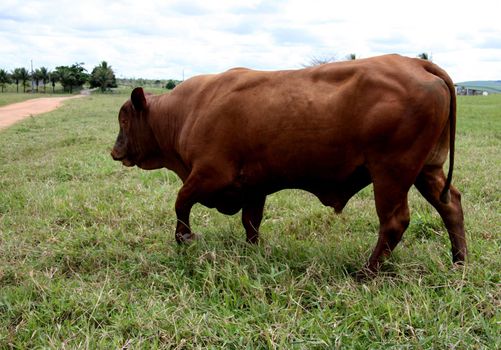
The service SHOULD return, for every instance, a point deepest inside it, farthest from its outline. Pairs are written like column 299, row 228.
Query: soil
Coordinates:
column 15, row 112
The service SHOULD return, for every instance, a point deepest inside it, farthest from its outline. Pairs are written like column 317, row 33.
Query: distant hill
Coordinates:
column 491, row 86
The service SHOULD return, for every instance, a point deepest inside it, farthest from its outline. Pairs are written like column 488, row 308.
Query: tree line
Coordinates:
column 70, row 77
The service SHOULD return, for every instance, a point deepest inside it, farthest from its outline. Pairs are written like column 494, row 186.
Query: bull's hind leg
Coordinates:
column 430, row 183
column 393, row 213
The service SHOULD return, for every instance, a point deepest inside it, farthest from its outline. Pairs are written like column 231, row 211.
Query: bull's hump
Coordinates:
column 237, row 69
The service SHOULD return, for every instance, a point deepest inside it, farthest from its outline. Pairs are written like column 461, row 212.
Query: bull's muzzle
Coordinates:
column 121, row 157
column 117, row 155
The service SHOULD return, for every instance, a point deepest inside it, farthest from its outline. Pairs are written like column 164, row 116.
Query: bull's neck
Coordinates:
column 166, row 126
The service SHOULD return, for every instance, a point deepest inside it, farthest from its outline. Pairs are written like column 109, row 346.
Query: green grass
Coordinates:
column 88, row 257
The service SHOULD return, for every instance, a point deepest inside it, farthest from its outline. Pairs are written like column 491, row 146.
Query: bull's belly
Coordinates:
column 336, row 193
column 228, row 201
column 333, row 193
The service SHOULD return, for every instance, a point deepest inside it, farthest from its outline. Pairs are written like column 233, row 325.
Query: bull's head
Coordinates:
column 136, row 143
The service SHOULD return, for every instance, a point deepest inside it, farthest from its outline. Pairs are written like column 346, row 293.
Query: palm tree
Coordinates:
column 102, row 76
column 65, row 77
column 53, row 78
column 36, row 76
column 16, row 76
column 44, row 76
column 4, row 78
column 24, row 76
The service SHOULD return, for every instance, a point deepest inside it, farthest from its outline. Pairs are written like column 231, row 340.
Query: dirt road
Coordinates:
column 14, row 112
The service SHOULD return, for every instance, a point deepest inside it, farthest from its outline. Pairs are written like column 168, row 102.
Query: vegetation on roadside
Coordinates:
column 5, row 78
column 103, row 77
column 68, row 77
column 73, row 78
column 88, row 257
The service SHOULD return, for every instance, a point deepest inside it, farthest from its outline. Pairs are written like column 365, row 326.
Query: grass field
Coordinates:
column 88, row 257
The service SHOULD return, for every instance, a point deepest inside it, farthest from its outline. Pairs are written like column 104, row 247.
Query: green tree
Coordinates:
column 171, row 84
column 72, row 77
column 103, row 77
column 351, row 57
column 16, row 74
column 4, row 78
column 44, row 77
column 66, row 78
column 424, row 56
column 23, row 77
column 37, row 77
column 53, row 78
column 80, row 74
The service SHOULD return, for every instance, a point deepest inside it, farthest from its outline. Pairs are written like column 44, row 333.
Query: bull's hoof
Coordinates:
column 365, row 274
column 254, row 240
column 187, row 238
column 459, row 264
column 459, row 257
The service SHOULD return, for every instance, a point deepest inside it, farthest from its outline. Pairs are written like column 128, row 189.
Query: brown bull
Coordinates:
column 235, row 137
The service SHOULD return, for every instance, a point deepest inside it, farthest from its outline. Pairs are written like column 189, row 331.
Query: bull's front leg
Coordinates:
column 252, row 214
column 201, row 184
column 183, row 230
column 186, row 198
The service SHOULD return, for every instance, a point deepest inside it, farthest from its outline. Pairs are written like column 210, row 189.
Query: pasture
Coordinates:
column 88, row 257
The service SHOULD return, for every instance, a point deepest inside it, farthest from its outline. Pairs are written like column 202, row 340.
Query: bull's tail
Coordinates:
column 445, row 195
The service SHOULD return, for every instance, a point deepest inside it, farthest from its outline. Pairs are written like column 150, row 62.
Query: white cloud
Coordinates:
column 160, row 39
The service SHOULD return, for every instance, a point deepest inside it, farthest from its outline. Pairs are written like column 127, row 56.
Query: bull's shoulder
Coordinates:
column 212, row 82
column 223, row 85
column 196, row 81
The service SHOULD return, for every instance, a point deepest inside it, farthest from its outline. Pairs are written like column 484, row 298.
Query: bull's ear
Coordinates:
column 138, row 99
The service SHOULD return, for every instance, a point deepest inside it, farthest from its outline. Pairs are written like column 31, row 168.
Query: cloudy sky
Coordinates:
column 163, row 39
